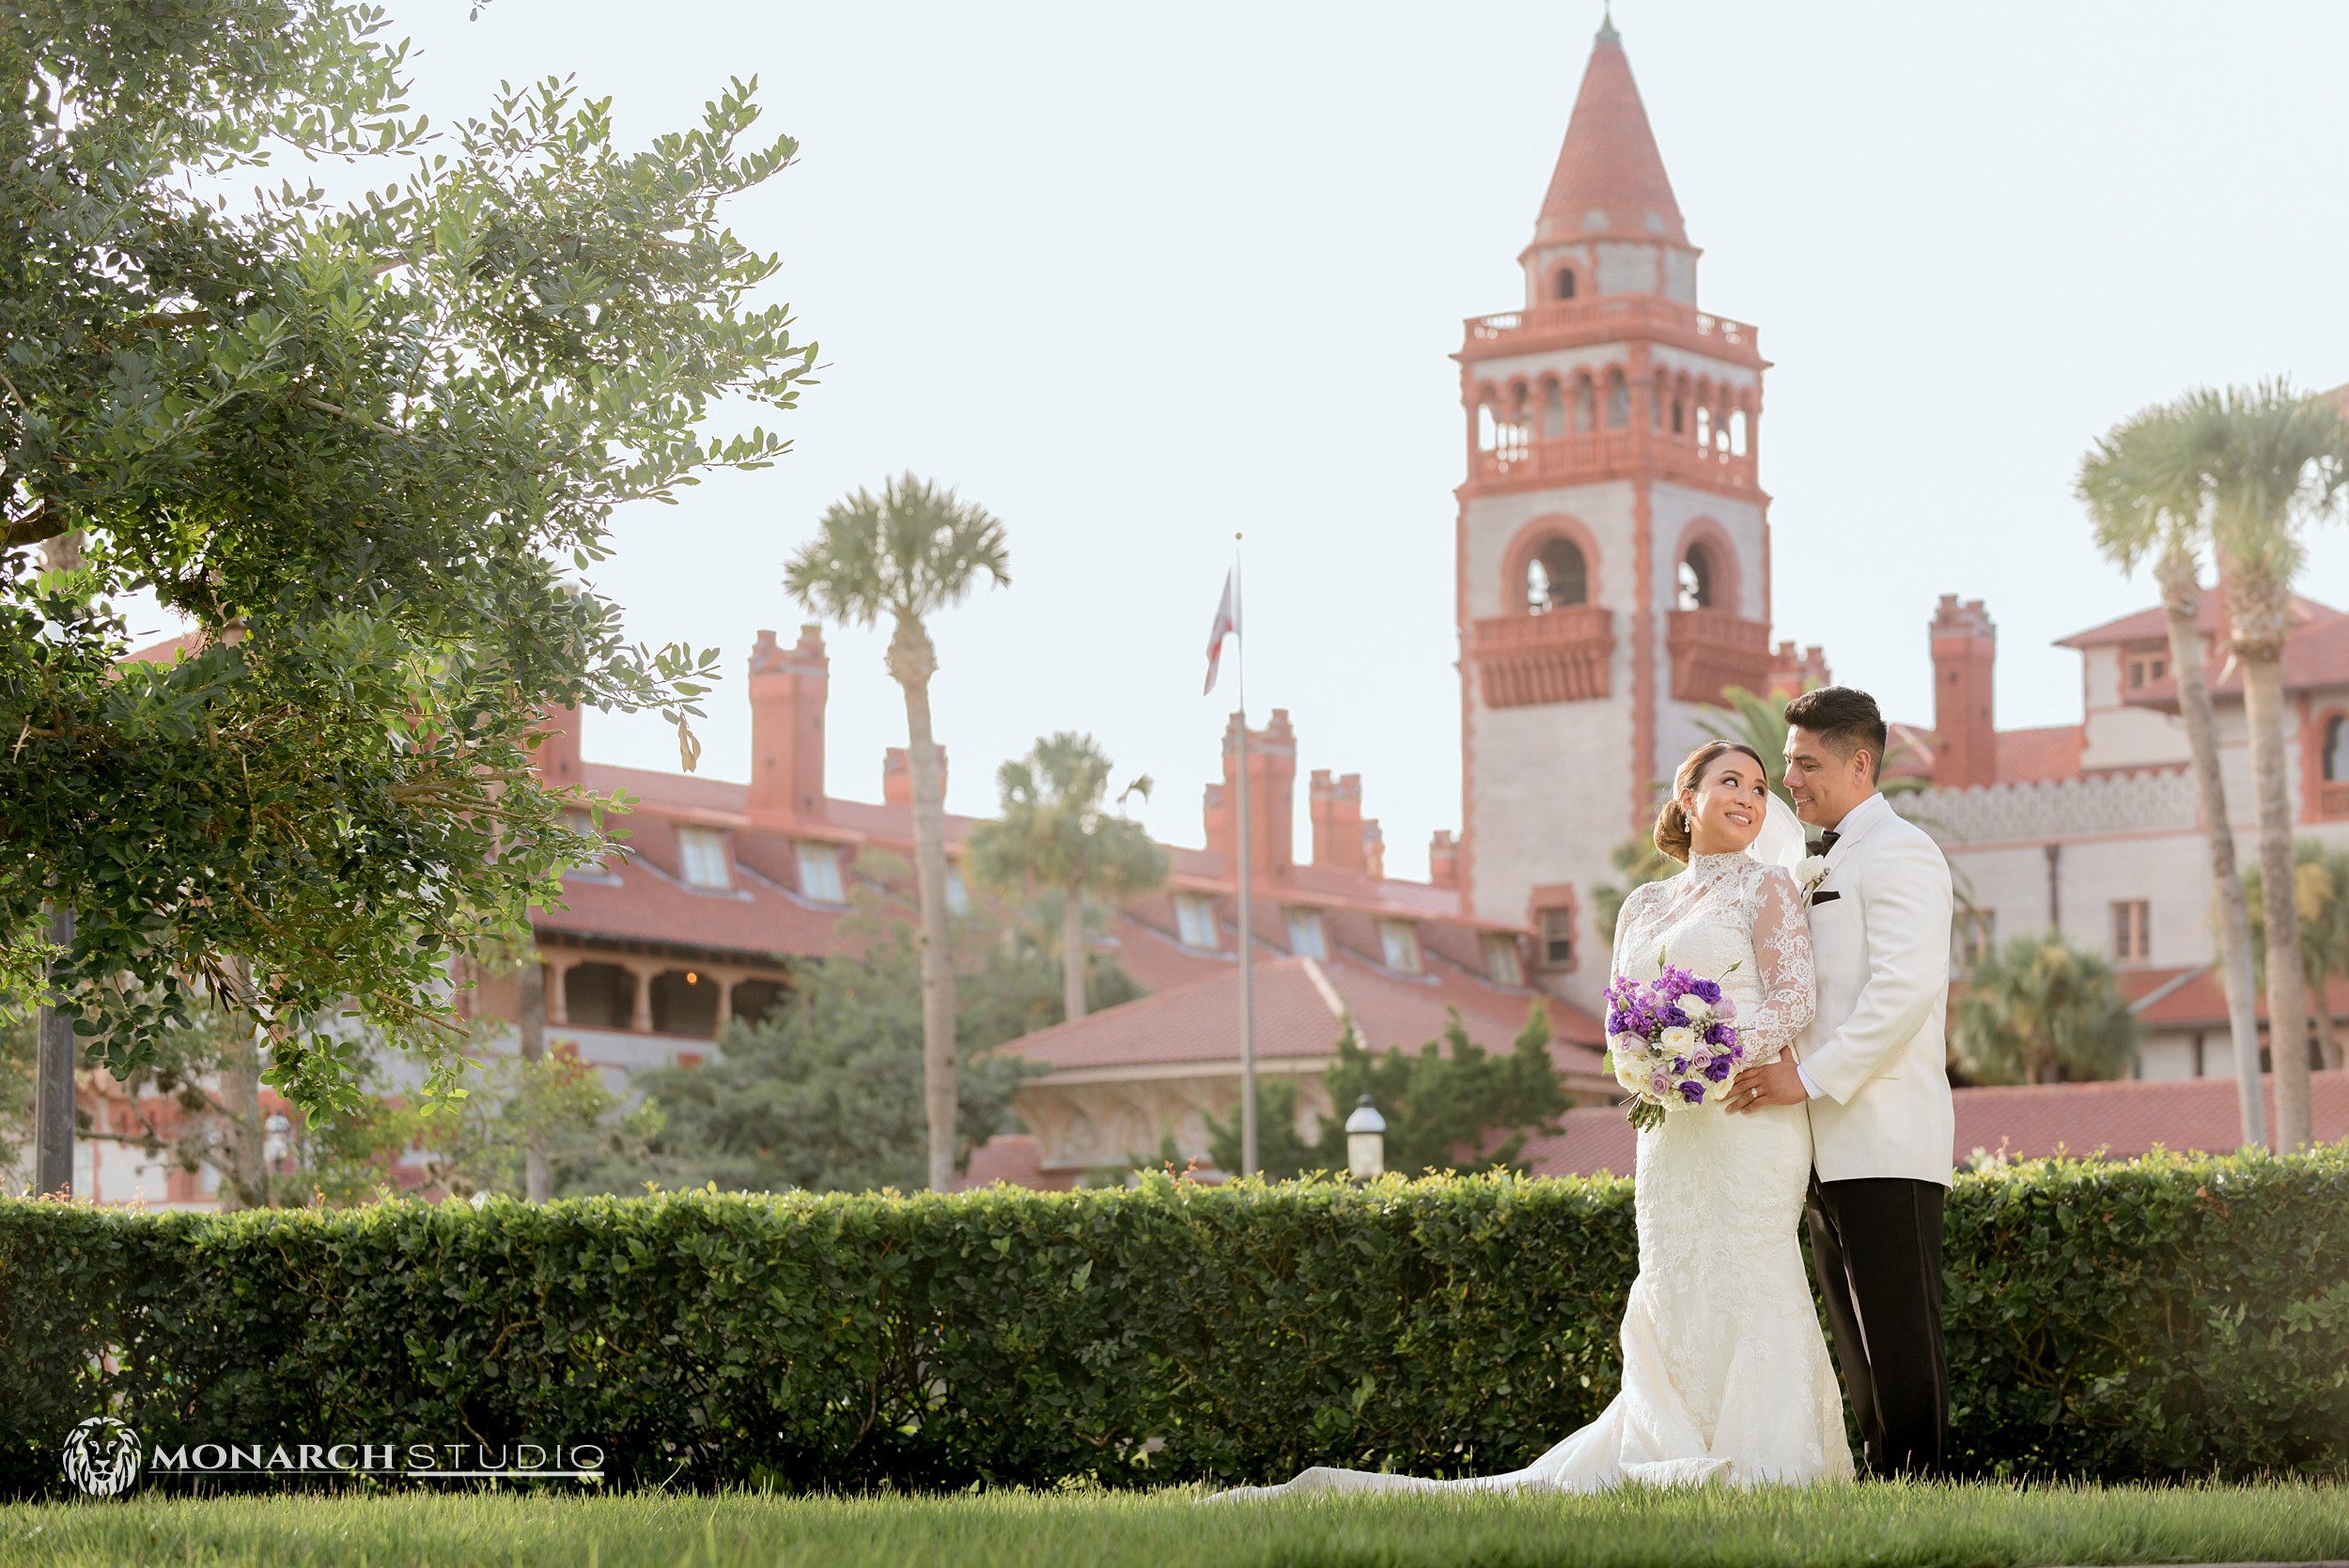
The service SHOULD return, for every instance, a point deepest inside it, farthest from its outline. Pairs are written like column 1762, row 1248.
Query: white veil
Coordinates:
column 1781, row 839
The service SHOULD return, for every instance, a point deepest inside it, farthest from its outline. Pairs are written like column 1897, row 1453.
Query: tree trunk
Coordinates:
column 2321, row 1009
column 245, row 1180
column 1072, row 952
column 912, row 660
column 530, row 997
column 2180, row 600
column 53, row 1053
column 2287, row 986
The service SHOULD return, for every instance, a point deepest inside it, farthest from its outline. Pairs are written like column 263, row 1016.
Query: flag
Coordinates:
column 1226, row 622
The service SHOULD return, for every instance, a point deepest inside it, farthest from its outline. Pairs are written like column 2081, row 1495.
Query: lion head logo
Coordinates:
column 101, row 1456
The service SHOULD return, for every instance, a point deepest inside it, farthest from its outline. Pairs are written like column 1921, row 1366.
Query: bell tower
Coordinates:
column 1613, row 551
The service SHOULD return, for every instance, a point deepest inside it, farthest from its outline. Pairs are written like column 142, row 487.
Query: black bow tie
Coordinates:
column 1824, row 842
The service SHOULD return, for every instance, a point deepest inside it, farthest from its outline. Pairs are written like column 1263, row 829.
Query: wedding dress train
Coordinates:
column 1725, row 1373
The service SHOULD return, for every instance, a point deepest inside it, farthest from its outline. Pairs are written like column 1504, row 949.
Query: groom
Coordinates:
column 1870, row 1069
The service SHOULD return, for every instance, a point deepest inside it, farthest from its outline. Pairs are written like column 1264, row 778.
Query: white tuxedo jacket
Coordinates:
column 1876, row 1051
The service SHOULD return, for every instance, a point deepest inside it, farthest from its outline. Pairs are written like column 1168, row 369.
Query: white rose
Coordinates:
column 1698, row 1010
column 1676, row 1041
column 1812, row 872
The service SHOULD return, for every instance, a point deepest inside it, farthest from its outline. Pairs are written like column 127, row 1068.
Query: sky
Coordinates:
column 1138, row 279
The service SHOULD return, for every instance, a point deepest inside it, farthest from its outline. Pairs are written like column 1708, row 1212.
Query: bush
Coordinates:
column 2167, row 1316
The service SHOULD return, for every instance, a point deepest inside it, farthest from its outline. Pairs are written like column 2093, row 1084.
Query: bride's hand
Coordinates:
column 1774, row 1083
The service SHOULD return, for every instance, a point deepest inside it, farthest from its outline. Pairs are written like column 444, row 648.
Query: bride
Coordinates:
column 1725, row 1375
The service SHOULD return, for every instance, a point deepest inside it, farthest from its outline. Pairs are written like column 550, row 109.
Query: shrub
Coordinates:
column 2165, row 1317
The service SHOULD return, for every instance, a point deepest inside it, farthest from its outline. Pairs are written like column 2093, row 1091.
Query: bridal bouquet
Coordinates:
column 1671, row 1042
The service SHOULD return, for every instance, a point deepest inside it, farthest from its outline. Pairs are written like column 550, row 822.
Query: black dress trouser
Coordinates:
column 1876, row 1242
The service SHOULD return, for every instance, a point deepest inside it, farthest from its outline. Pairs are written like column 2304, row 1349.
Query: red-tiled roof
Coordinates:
column 2034, row 756
column 2195, row 996
column 168, row 651
column 1298, row 1006
column 1016, row 1158
column 2120, row 1120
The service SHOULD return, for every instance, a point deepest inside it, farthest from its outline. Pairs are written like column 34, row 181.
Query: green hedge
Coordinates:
column 2161, row 1317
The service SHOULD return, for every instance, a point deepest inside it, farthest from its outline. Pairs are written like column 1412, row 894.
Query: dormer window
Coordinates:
column 702, row 857
column 1566, row 284
column 819, row 872
column 1194, row 921
column 1307, row 939
column 1398, row 942
column 1503, row 962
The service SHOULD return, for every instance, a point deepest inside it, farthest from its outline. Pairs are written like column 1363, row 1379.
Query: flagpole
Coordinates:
column 1248, row 1165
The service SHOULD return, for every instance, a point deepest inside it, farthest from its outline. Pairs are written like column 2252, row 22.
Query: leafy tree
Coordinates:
column 1441, row 1105
column 818, row 1094
column 2143, row 485
column 350, row 444
column 2039, row 1010
column 1057, row 832
column 2320, row 895
column 908, row 553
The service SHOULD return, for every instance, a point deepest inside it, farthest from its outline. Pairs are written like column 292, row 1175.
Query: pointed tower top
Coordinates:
column 1609, row 181
column 1607, row 33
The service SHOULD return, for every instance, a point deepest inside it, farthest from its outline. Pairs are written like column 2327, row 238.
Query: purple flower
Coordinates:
column 1693, row 1093
column 1725, row 1008
column 1680, row 1064
column 1719, row 1034
column 1719, row 1069
column 1676, row 1019
column 1710, row 990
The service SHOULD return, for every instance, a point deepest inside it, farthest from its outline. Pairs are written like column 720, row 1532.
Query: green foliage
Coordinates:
column 2171, row 1317
column 825, row 1092
column 2320, row 895
column 907, row 553
column 359, row 446
column 2042, row 1010
column 1441, row 1104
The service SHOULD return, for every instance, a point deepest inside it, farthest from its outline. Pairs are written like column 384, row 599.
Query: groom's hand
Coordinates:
column 1772, row 1083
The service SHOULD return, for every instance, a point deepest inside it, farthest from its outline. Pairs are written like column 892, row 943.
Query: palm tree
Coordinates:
column 2143, row 486
column 2276, row 462
column 908, row 553
column 2041, row 1011
column 2320, row 895
column 1057, row 832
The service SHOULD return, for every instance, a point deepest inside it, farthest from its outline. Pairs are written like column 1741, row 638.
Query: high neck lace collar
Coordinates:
column 1712, row 868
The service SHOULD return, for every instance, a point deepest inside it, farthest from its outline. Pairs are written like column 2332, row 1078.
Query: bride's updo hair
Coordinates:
column 1671, row 823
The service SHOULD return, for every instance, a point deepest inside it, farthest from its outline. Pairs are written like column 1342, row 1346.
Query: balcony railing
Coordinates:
column 1602, row 453
column 1713, row 650
column 1560, row 656
column 1610, row 316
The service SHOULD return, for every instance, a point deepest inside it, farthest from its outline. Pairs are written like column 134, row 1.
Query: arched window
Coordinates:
column 1557, row 577
column 1737, row 433
column 1553, row 411
column 1618, row 401
column 1697, row 579
column 1488, row 432
column 1705, row 427
column 1585, row 406
column 2337, row 749
column 1680, row 427
column 1566, row 284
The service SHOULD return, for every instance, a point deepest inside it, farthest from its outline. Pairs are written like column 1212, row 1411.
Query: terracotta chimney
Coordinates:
column 1336, row 808
column 1792, row 673
column 556, row 760
column 1443, row 859
column 897, row 775
column 788, row 688
column 1965, row 654
column 1272, row 800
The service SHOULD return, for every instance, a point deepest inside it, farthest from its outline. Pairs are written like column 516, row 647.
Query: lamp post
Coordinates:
column 1366, row 1141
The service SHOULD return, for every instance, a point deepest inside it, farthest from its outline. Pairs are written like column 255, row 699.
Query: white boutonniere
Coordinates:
column 1809, row 875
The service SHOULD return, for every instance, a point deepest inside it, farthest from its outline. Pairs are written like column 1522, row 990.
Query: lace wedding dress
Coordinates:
column 1725, row 1374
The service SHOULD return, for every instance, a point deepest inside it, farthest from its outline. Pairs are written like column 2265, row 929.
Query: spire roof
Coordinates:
column 1610, row 177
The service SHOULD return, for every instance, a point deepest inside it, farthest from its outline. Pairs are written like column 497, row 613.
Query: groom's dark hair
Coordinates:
column 1844, row 719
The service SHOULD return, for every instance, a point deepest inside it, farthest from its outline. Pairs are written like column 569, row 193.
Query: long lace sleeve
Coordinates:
column 1782, row 953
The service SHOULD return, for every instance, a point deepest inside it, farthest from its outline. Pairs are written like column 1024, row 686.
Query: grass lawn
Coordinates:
column 1888, row 1524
